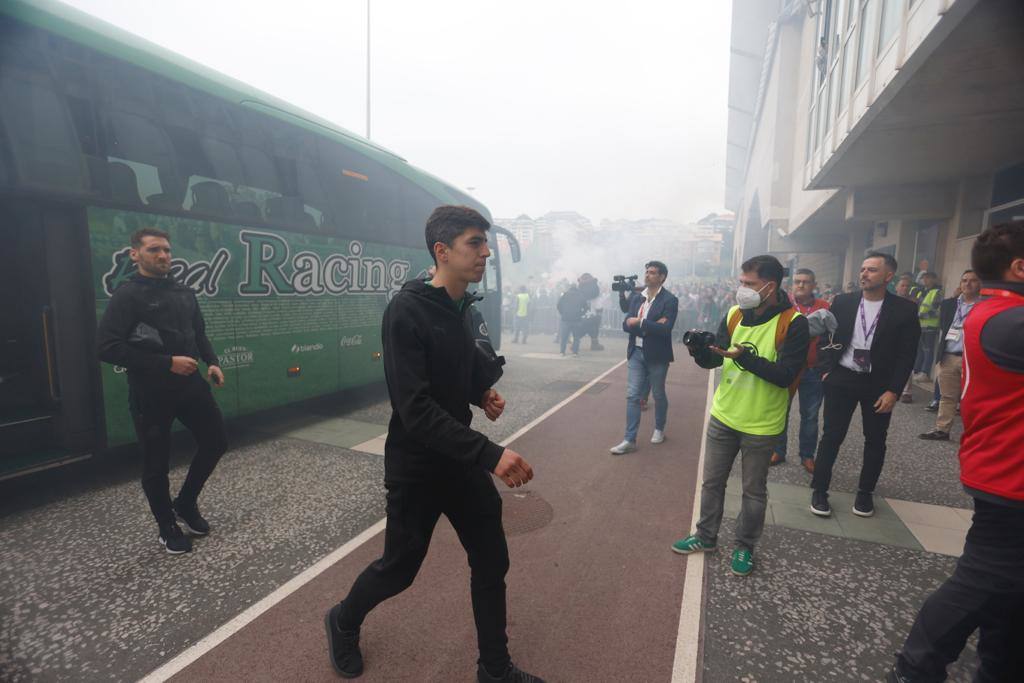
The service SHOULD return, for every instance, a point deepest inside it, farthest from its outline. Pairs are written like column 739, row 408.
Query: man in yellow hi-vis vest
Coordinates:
column 761, row 346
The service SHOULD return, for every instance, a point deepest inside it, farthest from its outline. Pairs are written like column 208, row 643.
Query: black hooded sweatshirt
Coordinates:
column 433, row 372
column 165, row 305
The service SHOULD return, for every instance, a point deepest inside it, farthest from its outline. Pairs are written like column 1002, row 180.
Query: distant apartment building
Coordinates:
column 887, row 125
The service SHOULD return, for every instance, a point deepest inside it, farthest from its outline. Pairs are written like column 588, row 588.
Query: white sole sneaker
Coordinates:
column 658, row 437
column 189, row 529
column 172, row 552
column 861, row 513
column 622, row 448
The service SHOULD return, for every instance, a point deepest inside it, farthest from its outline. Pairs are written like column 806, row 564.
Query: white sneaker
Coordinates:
column 658, row 436
column 624, row 447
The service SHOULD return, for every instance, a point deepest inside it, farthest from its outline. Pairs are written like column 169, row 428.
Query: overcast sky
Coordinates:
column 612, row 109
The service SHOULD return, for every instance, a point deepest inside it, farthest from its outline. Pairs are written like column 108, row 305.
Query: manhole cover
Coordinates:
column 524, row 511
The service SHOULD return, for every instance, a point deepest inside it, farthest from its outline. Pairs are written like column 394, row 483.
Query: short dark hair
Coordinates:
column 147, row 232
column 767, row 268
column 931, row 273
column 662, row 268
column 448, row 222
column 806, row 271
column 996, row 248
column 969, row 270
column 890, row 260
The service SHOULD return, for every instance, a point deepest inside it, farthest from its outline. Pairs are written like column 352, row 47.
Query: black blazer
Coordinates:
column 657, row 336
column 893, row 348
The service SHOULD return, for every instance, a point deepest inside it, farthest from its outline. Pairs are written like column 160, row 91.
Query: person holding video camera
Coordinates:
column 761, row 346
column 652, row 315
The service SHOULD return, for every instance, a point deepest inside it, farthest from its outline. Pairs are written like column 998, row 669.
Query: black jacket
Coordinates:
column 947, row 312
column 168, row 307
column 434, row 372
column 657, row 337
column 791, row 357
column 893, row 347
column 572, row 305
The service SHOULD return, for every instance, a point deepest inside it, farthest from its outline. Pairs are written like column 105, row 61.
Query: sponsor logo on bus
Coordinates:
column 304, row 348
column 354, row 340
column 203, row 277
column 271, row 268
column 235, row 357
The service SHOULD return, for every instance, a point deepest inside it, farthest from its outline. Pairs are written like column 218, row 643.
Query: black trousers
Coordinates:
column 154, row 409
column 985, row 593
column 473, row 506
column 841, row 400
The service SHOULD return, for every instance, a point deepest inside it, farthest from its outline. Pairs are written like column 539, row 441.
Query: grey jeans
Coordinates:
column 723, row 443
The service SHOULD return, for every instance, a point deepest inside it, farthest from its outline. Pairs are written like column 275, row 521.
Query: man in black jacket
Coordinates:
column 571, row 307
column 153, row 327
column 434, row 463
column 867, row 363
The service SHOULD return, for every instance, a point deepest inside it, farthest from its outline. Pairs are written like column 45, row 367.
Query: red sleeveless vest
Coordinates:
column 992, row 407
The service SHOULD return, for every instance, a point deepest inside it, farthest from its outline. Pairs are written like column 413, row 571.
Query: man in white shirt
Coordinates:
column 649, row 322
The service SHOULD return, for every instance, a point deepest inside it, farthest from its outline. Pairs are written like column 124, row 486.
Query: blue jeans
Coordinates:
column 926, row 350
column 644, row 377
column 810, row 392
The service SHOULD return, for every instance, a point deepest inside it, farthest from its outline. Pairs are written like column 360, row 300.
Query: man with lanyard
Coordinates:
column 809, row 389
column 652, row 315
column 952, row 313
column 867, row 364
column 986, row 590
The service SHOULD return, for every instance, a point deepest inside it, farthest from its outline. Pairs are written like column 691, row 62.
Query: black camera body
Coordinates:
column 624, row 283
column 699, row 339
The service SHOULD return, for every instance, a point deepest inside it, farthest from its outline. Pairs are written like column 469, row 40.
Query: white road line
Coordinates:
column 684, row 667
column 252, row 612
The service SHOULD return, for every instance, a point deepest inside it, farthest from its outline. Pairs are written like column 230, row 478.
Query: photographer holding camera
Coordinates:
column 762, row 347
column 652, row 314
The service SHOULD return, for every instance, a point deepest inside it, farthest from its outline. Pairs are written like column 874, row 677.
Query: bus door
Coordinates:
column 44, row 325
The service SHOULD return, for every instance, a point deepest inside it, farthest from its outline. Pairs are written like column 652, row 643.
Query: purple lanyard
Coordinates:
column 868, row 333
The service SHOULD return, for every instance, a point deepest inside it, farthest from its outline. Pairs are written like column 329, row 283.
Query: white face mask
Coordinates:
column 747, row 298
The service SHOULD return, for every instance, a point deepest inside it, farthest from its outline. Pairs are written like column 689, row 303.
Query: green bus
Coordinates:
column 293, row 233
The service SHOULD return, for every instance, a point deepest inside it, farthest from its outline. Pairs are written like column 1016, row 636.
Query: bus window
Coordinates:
column 147, row 180
column 38, row 131
column 139, row 140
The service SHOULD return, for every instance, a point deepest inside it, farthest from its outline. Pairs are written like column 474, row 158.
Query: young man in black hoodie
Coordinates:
column 434, row 463
column 153, row 327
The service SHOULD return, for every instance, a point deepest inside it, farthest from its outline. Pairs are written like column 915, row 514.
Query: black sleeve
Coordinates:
column 206, row 351
column 707, row 359
column 405, row 369
column 906, row 352
column 791, row 359
column 623, row 302
column 1001, row 339
column 112, row 338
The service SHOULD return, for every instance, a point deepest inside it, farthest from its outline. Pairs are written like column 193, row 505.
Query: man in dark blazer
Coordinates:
column 866, row 363
column 651, row 317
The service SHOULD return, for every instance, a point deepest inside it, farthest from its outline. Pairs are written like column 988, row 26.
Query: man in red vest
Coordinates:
column 986, row 591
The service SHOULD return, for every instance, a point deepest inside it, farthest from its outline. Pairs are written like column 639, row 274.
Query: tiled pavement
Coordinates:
column 832, row 599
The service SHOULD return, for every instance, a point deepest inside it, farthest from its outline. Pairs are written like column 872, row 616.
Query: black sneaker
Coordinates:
column 173, row 540
column 934, row 435
column 863, row 504
column 819, row 504
column 933, row 407
column 513, row 674
column 343, row 646
column 190, row 517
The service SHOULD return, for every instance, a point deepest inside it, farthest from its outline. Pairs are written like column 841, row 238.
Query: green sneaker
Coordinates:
column 742, row 562
column 691, row 544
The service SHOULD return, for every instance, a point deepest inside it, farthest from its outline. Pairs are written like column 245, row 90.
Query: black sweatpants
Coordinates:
column 985, row 592
column 473, row 506
column 154, row 409
column 841, row 400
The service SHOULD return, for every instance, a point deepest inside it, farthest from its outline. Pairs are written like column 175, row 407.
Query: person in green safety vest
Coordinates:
column 928, row 315
column 521, row 322
column 761, row 346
